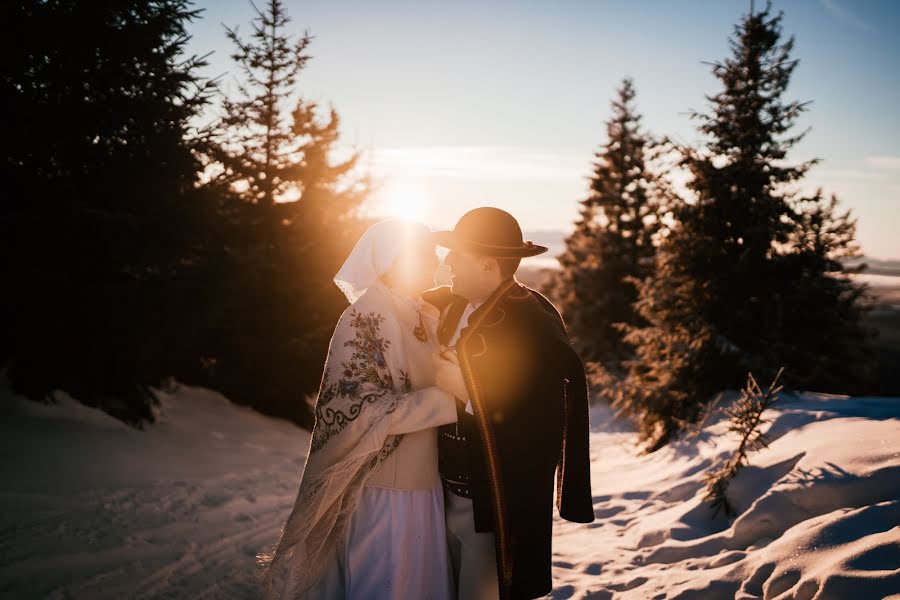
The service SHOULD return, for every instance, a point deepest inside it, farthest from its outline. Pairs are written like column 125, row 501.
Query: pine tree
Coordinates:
column 291, row 213
column 613, row 237
column 820, row 314
column 257, row 149
column 100, row 214
column 739, row 267
column 266, row 152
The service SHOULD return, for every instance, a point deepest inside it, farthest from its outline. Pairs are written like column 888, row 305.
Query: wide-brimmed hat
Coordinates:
column 488, row 231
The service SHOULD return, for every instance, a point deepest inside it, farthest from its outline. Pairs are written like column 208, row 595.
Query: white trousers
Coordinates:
column 471, row 553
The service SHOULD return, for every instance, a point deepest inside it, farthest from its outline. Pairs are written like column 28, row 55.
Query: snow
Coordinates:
column 94, row 509
column 91, row 508
column 818, row 511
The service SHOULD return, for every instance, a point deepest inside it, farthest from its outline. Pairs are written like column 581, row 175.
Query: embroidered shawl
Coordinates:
column 365, row 381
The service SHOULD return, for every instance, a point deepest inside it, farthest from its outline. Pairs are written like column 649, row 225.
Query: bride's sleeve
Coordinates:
column 422, row 409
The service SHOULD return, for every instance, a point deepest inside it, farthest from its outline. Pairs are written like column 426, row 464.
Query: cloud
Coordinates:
column 845, row 16
column 482, row 163
column 887, row 163
column 879, row 174
column 855, row 175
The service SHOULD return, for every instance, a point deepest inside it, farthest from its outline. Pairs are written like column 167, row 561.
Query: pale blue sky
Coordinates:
column 460, row 104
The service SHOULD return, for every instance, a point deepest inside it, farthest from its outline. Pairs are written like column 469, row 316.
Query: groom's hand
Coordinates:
column 447, row 375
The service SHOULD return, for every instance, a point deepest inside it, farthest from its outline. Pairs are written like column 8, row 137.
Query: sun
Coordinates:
column 406, row 199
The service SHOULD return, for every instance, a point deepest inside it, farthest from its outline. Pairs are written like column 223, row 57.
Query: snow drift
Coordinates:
column 818, row 511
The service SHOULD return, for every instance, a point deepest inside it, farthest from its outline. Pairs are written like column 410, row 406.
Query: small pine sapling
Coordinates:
column 746, row 421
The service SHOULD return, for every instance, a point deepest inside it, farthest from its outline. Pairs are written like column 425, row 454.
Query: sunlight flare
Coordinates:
column 405, row 199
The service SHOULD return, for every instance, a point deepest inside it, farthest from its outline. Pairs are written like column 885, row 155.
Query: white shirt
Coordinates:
column 463, row 321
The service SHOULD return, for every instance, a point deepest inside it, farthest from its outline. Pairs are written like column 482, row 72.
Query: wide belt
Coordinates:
column 453, row 455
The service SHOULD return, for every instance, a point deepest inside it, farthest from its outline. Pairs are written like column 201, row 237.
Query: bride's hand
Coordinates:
column 448, row 376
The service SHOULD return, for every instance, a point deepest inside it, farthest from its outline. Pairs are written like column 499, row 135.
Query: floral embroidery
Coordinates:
column 393, row 441
column 390, row 444
column 364, row 379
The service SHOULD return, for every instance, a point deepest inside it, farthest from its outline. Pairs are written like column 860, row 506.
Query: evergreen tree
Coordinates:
column 257, row 148
column 100, row 214
column 613, row 237
column 291, row 215
column 736, row 276
column 820, row 312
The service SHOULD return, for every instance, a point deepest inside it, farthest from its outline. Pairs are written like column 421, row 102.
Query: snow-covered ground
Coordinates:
column 819, row 511
column 92, row 509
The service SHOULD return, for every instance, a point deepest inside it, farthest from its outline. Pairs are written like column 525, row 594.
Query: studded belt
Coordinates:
column 453, row 459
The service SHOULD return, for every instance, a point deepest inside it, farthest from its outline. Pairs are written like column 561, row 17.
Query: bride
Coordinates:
column 368, row 520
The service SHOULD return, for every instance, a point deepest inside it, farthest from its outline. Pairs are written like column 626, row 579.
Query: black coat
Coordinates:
column 529, row 395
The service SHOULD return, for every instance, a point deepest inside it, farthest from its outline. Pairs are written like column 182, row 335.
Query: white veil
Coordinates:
column 375, row 254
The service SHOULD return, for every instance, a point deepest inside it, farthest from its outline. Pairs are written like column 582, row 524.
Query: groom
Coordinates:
column 522, row 413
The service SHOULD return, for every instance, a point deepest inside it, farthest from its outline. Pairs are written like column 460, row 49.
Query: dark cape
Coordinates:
column 530, row 398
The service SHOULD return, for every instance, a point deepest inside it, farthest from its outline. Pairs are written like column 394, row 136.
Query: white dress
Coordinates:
column 396, row 545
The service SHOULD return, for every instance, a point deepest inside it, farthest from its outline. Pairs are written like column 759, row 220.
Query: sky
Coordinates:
column 461, row 104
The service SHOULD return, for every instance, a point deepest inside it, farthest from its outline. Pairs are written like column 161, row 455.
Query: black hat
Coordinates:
column 488, row 231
